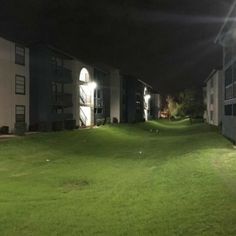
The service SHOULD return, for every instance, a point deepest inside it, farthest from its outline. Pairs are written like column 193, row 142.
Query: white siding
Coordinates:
column 8, row 71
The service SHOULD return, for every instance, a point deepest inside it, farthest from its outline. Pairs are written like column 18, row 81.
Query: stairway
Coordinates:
column 83, row 118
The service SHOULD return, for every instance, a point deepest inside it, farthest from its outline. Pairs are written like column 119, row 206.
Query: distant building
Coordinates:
column 213, row 97
column 61, row 90
column 14, row 84
column 46, row 89
column 155, row 105
column 227, row 39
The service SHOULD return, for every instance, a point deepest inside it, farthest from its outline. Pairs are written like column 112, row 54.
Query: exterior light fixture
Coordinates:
column 147, row 97
column 92, row 85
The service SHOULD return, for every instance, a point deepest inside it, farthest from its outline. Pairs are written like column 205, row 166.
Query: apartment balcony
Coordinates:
column 62, row 75
column 62, row 100
column 98, row 102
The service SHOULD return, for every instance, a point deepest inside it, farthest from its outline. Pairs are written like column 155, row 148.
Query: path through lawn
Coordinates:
column 121, row 180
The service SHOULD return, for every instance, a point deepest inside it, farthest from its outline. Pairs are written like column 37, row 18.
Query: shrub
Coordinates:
column 4, row 130
column 44, row 126
column 70, row 124
column 57, row 125
column 20, row 128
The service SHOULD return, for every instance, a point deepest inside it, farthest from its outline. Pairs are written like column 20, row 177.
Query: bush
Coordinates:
column 115, row 120
column 44, row 126
column 20, row 128
column 34, row 127
column 100, row 121
column 70, row 124
column 4, row 130
column 57, row 125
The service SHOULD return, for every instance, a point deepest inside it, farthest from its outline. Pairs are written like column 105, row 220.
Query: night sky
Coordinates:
column 168, row 43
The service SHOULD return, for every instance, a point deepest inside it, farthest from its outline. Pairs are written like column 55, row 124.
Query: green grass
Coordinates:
column 119, row 180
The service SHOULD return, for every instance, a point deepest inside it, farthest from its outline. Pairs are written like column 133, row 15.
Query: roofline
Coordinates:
column 15, row 41
column 148, row 85
column 213, row 72
column 225, row 21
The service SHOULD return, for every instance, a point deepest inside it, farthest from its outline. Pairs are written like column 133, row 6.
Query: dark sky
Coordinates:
column 168, row 43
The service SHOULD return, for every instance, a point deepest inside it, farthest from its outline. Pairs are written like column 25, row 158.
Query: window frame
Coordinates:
column 21, row 47
column 20, row 76
column 24, row 108
column 225, row 111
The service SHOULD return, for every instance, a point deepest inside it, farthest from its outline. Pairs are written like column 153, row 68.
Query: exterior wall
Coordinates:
column 115, row 95
column 214, row 92
column 227, row 40
column 101, row 96
column 44, row 107
column 133, row 106
column 8, row 98
column 155, row 106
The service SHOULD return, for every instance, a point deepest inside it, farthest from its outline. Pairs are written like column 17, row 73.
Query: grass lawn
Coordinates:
column 119, row 180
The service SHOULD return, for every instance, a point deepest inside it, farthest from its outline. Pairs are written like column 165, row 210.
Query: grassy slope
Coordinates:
column 98, row 183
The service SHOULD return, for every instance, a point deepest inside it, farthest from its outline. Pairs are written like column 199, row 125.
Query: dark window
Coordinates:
column 98, row 110
column 20, row 84
column 228, row 110
column 20, row 113
column 19, row 55
column 234, row 109
column 98, row 93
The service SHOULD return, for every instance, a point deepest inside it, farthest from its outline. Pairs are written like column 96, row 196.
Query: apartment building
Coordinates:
column 14, row 84
column 62, row 91
column 214, row 98
column 46, row 89
column 226, row 38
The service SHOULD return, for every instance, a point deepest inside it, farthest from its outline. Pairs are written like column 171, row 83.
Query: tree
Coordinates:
column 191, row 101
column 172, row 106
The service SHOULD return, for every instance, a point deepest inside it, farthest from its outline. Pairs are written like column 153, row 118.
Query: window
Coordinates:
column 20, row 84
column 20, row 113
column 98, row 110
column 234, row 109
column 228, row 110
column 20, row 55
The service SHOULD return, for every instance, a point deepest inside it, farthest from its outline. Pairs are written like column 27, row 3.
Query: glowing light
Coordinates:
column 147, row 97
column 92, row 85
column 84, row 75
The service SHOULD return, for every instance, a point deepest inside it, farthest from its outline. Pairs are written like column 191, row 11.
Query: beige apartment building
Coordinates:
column 14, row 84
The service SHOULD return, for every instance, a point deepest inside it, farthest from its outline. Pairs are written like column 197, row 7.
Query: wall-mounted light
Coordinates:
column 92, row 85
column 147, row 97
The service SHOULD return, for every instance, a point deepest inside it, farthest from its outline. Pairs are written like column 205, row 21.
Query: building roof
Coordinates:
column 213, row 72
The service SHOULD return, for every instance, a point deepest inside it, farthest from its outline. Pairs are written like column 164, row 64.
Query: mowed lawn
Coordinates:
column 119, row 180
